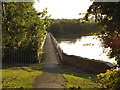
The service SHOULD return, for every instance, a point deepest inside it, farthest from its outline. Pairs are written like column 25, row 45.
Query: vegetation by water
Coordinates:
column 70, row 27
column 107, row 14
column 21, row 76
column 109, row 24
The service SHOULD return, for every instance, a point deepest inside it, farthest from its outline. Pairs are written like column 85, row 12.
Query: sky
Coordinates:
column 67, row 9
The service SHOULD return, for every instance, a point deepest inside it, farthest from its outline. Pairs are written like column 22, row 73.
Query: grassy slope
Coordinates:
column 20, row 77
column 75, row 79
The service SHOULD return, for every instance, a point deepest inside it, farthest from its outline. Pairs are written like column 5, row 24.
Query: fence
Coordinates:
column 26, row 56
column 59, row 50
column 20, row 57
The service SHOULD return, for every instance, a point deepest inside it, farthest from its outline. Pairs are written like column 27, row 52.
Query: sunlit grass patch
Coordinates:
column 20, row 77
column 79, row 80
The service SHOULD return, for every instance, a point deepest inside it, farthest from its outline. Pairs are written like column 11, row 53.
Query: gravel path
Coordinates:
column 51, row 77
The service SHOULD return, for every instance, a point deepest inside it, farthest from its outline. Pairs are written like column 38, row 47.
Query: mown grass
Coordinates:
column 20, row 76
column 75, row 79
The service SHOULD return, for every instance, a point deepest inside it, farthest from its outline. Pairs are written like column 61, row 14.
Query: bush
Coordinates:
column 110, row 79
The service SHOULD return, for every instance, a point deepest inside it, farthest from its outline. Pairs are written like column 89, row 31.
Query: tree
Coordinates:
column 68, row 27
column 23, row 29
column 107, row 16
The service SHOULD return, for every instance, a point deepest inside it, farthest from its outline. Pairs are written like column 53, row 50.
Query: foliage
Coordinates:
column 110, row 79
column 20, row 77
column 71, row 26
column 23, row 29
column 107, row 15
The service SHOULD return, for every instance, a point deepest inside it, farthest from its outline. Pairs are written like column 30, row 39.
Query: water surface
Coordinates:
column 86, row 46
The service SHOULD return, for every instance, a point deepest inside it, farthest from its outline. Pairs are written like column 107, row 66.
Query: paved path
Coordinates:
column 51, row 77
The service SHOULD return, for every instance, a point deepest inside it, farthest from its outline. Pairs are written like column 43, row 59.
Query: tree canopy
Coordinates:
column 70, row 27
column 23, row 29
column 107, row 15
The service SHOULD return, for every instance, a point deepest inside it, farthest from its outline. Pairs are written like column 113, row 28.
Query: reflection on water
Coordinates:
column 86, row 46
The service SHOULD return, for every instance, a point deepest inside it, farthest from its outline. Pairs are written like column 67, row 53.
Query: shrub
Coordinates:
column 110, row 79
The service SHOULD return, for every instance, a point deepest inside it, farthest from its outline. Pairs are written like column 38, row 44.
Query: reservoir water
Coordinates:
column 86, row 46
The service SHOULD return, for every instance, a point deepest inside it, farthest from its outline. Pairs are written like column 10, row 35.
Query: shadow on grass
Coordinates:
column 25, row 69
column 7, row 66
column 21, row 66
column 75, row 72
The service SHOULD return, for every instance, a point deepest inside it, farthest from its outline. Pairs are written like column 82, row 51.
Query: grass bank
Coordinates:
column 77, row 79
column 21, row 76
column 84, row 64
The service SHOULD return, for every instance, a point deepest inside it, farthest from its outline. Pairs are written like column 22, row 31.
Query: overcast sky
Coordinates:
column 67, row 9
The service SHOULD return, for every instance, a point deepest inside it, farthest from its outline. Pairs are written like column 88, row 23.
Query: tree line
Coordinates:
column 71, row 26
